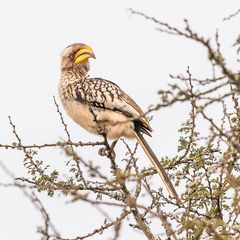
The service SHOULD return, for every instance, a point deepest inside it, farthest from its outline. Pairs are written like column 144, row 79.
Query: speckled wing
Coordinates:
column 103, row 94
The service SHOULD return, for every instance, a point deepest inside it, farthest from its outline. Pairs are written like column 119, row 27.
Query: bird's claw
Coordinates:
column 112, row 155
column 107, row 152
column 102, row 151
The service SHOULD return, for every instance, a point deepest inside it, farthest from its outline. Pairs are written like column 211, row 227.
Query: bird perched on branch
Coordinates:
column 101, row 107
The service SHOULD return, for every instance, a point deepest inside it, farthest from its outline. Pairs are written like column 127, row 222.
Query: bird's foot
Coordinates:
column 108, row 151
column 102, row 151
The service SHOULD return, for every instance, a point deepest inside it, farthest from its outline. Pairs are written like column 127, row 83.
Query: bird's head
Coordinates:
column 76, row 54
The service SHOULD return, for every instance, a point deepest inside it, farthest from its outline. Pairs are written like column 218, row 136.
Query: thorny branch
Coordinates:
column 209, row 165
column 214, row 54
column 231, row 15
column 35, row 201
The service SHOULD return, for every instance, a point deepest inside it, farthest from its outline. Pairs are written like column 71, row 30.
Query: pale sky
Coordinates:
column 129, row 51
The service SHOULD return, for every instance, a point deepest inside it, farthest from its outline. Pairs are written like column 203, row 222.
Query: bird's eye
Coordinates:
column 71, row 56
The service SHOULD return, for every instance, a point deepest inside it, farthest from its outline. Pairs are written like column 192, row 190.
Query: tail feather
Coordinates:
column 151, row 155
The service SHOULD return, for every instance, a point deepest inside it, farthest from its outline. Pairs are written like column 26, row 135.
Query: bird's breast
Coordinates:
column 80, row 114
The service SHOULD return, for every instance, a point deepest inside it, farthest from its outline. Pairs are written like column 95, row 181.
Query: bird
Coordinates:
column 101, row 107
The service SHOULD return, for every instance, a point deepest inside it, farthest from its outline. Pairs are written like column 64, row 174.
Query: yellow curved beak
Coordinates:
column 83, row 54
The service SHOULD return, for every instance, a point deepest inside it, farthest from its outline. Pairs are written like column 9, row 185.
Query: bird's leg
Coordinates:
column 103, row 151
column 108, row 150
column 112, row 152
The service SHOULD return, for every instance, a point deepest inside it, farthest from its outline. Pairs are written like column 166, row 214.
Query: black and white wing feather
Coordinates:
column 103, row 95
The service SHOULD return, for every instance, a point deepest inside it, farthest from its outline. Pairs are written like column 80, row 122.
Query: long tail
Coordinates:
column 151, row 155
